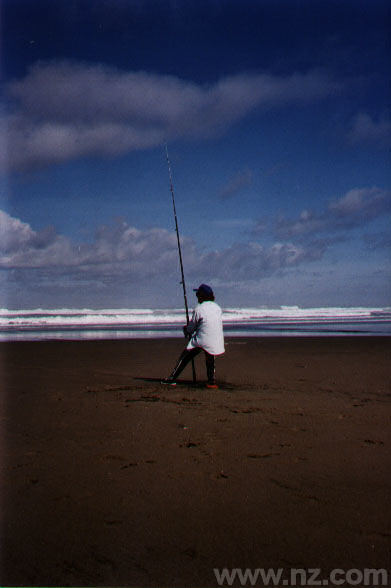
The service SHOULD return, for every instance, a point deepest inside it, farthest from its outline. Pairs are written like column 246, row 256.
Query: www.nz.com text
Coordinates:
column 300, row 577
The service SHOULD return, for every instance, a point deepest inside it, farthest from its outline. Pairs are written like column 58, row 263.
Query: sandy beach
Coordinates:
column 111, row 479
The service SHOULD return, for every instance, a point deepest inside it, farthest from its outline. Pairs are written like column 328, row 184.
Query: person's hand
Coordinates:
column 187, row 331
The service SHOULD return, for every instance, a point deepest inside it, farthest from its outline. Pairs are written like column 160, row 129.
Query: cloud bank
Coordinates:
column 152, row 253
column 122, row 264
column 143, row 255
column 64, row 110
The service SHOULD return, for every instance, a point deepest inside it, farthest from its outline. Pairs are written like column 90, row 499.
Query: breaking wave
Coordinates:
column 86, row 323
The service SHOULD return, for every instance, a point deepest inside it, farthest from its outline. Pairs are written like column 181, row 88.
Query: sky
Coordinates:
column 276, row 117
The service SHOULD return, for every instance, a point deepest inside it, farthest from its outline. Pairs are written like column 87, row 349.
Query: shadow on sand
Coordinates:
column 187, row 383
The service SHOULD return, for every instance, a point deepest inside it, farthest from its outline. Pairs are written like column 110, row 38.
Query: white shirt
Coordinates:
column 206, row 328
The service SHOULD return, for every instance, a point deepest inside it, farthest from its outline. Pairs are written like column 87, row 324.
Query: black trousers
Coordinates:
column 187, row 355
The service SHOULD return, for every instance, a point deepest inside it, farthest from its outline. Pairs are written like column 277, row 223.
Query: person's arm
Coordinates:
column 193, row 325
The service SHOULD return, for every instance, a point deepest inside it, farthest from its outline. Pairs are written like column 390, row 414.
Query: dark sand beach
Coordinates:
column 111, row 479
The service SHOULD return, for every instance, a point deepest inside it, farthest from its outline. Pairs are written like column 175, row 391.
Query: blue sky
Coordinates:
column 277, row 120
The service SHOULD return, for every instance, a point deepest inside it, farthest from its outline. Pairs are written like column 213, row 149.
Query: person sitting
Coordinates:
column 205, row 332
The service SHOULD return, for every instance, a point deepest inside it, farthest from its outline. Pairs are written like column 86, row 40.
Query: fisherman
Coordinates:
column 205, row 333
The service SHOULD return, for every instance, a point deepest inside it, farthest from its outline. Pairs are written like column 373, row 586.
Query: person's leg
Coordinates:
column 186, row 356
column 210, row 368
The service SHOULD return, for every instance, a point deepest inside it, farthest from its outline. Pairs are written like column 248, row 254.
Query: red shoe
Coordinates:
column 214, row 386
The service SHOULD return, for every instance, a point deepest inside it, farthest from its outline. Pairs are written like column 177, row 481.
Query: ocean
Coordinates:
column 79, row 324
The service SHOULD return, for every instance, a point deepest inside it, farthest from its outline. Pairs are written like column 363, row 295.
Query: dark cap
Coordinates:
column 204, row 289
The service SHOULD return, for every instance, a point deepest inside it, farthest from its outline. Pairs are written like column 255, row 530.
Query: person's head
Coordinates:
column 204, row 293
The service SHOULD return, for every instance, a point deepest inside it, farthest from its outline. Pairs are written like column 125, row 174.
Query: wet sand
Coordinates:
column 111, row 479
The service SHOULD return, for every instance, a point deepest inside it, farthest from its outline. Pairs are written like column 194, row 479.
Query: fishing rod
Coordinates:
column 180, row 253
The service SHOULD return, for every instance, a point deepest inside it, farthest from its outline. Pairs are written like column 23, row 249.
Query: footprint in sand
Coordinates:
column 261, row 456
column 373, row 442
column 113, row 457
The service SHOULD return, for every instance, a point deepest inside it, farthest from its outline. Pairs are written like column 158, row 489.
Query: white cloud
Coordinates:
column 367, row 129
column 14, row 234
column 362, row 203
column 251, row 261
column 21, row 246
column 236, row 183
column 356, row 208
column 125, row 265
column 65, row 110
column 140, row 254
column 115, row 248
